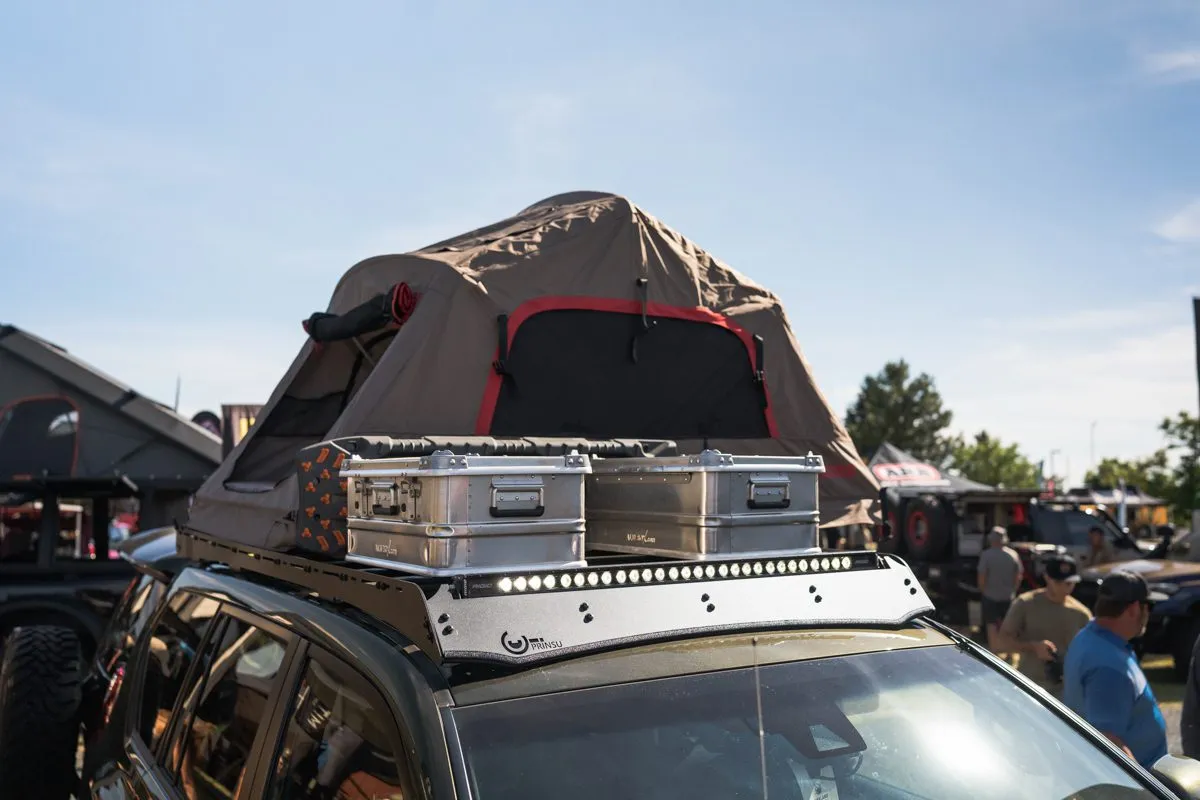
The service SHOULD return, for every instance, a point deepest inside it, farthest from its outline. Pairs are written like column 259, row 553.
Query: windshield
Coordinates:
column 922, row 723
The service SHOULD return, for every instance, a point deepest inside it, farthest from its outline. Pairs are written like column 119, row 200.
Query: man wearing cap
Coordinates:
column 1000, row 573
column 1104, row 683
column 1041, row 624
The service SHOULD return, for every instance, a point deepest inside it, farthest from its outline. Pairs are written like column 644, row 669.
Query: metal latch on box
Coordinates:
column 769, row 491
column 518, row 497
column 381, row 498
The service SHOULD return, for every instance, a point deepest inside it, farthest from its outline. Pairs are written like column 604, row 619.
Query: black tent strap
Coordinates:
column 501, row 362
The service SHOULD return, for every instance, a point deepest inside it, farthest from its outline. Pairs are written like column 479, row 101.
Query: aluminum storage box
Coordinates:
column 709, row 505
column 446, row 514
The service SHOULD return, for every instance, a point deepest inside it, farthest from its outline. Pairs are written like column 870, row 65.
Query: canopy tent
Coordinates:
column 580, row 316
column 896, row 469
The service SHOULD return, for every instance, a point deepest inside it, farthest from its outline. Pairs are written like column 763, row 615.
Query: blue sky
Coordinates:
column 1006, row 194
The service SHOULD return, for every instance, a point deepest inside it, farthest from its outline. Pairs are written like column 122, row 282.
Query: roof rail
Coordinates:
column 528, row 617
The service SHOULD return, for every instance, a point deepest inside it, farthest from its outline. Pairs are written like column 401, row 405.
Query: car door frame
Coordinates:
column 150, row 765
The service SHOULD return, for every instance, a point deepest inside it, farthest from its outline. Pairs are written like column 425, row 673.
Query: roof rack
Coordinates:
column 533, row 616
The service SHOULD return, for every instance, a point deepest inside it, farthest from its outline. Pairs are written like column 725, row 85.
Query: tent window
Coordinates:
column 297, row 422
column 39, row 436
column 292, row 424
column 572, row 373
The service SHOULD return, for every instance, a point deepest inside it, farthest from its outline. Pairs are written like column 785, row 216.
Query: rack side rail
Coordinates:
column 392, row 599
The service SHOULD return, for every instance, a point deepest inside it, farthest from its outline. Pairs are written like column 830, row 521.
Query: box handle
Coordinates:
column 769, row 493
column 383, row 499
column 523, row 498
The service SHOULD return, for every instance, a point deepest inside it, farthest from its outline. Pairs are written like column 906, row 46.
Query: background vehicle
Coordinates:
column 1175, row 622
column 48, row 691
column 81, row 457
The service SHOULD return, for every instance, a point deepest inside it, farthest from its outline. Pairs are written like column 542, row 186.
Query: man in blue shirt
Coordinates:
column 1102, row 680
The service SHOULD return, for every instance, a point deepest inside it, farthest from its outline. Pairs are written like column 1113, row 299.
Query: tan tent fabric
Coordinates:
column 434, row 376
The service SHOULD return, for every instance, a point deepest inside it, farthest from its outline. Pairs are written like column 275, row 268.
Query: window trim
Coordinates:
column 401, row 747
column 144, row 759
column 276, row 719
column 132, row 734
column 279, row 692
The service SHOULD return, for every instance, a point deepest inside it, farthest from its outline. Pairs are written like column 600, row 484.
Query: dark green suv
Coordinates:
column 260, row 675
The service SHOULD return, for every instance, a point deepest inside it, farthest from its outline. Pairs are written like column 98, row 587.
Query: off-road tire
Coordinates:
column 41, row 678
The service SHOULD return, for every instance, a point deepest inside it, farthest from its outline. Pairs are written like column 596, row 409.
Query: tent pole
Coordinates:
column 363, row 350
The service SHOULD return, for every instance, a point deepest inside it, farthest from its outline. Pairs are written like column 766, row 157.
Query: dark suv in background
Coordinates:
column 55, row 682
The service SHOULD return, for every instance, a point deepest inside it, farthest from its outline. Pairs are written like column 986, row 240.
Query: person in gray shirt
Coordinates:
column 1000, row 574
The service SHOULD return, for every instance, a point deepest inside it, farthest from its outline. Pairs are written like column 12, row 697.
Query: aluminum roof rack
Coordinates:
column 527, row 617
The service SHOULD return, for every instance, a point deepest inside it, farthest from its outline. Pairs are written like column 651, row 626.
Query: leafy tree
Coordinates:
column 1182, row 433
column 1179, row 484
column 1151, row 475
column 990, row 461
column 892, row 406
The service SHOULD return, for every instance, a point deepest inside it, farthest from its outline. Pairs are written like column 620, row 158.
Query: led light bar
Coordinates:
column 518, row 619
column 616, row 577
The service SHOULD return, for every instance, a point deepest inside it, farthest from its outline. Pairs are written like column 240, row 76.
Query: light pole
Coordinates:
column 1053, row 473
column 1092, row 460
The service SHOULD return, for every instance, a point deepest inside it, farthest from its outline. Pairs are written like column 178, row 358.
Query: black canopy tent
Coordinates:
column 70, row 432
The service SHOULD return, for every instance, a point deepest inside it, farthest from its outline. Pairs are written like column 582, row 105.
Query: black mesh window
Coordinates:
column 37, row 436
column 602, row 374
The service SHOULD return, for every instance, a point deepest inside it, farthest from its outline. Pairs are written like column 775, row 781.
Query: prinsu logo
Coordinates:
column 523, row 644
column 923, row 474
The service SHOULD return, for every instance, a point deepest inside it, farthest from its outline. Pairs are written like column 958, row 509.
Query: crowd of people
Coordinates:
column 1081, row 656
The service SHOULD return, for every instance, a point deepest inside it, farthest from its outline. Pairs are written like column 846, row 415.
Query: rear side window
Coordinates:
column 137, row 606
column 1052, row 528
column 340, row 741
column 172, row 649
column 222, row 714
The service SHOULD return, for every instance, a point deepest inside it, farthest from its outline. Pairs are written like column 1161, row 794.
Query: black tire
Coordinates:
column 41, row 678
column 925, row 529
column 1183, row 643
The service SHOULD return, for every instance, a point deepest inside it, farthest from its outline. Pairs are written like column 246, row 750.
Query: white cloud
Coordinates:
column 1043, row 384
column 1173, row 66
column 1182, row 227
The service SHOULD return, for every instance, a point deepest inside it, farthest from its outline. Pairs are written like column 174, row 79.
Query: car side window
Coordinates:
column 223, row 711
column 137, row 606
column 172, row 649
column 1078, row 525
column 340, row 740
column 1052, row 528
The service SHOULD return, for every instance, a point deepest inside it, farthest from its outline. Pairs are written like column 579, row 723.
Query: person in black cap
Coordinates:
column 1103, row 681
column 1041, row 623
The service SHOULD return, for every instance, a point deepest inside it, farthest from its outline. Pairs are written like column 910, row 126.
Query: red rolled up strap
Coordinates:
column 404, row 300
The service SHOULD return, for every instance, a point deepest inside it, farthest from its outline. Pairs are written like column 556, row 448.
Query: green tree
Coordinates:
column 1178, row 483
column 993, row 462
column 893, row 406
column 1151, row 475
column 1182, row 433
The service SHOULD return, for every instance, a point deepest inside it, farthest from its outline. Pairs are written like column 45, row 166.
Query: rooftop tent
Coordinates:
column 896, row 469
column 580, row 316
